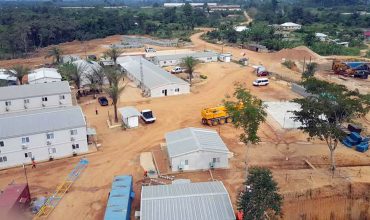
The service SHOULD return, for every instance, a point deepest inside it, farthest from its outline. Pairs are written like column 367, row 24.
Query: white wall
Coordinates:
column 171, row 90
column 176, row 62
column 200, row 160
column 44, row 80
column 17, row 105
column 131, row 122
column 40, row 150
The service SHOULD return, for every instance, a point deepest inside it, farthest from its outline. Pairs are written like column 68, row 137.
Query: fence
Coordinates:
column 299, row 90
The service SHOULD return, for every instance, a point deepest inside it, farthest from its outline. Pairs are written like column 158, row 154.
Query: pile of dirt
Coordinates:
column 298, row 53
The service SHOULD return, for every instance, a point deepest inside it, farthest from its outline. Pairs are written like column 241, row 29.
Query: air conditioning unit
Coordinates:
column 212, row 165
column 48, row 142
column 25, row 106
column 74, row 153
column 7, row 108
column 43, row 104
column 61, row 102
column 51, row 157
column 72, row 139
column 24, row 146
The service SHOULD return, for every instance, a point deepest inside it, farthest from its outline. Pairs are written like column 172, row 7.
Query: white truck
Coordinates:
column 177, row 69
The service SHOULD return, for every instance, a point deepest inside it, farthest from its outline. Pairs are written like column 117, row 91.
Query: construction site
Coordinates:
column 79, row 187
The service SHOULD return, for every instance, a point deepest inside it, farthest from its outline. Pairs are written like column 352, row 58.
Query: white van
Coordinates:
column 261, row 82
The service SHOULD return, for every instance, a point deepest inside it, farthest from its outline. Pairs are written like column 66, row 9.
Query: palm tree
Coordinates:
column 189, row 64
column 113, row 74
column 73, row 72
column 113, row 53
column 19, row 72
column 55, row 53
column 99, row 77
column 114, row 93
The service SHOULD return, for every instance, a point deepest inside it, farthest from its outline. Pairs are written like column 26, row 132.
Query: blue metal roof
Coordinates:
column 355, row 64
column 119, row 201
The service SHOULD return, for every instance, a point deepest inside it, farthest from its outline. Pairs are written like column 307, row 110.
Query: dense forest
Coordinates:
column 23, row 29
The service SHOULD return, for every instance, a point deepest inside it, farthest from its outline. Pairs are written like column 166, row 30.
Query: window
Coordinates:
column 26, row 101
column 1, row 143
column 3, row 159
column 186, row 162
column 50, row 136
column 216, row 160
column 44, row 99
column 75, row 146
column 28, row 155
column 62, row 97
column 73, row 132
column 8, row 103
column 25, row 140
column 177, row 90
column 52, row 150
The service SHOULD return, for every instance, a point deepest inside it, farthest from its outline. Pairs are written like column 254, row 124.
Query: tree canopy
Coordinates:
column 247, row 112
column 324, row 112
column 260, row 196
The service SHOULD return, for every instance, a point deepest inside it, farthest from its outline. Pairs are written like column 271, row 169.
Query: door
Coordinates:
column 165, row 92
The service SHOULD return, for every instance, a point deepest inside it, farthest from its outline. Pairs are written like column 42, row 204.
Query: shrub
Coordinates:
column 289, row 64
column 203, row 76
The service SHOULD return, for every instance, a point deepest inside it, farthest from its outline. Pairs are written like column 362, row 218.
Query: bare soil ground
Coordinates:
column 284, row 151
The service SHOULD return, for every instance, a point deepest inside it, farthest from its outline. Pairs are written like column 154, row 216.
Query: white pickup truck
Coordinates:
column 177, row 69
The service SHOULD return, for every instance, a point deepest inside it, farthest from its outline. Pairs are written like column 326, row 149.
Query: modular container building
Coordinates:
column 13, row 200
column 120, row 199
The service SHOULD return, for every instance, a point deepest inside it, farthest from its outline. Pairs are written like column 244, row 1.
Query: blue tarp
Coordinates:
column 358, row 65
column 120, row 198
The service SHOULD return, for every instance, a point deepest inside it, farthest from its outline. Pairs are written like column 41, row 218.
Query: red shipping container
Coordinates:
column 13, row 200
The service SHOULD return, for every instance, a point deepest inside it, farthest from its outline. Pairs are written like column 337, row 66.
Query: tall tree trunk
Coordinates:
column 115, row 112
column 332, row 159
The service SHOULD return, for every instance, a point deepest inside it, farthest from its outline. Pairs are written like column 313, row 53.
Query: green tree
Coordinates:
column 189, row 63
column 310, row 70
column 324, row 112
column 56, row 53
column 260, row 198
column 73, row 72
column 113, row 53
column 114, row 93
column 19, row 72
column 309, row 39
column 247, row 112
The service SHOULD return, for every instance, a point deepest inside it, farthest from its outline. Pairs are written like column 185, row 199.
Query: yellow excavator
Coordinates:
column 215, row 115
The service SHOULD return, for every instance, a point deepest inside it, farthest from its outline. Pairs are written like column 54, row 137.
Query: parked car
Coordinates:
column 361, row 74
column 261, row 82
column 263, row 73
column 103, row 101
column 150, row 50
column 177, row 69
column 147, row 116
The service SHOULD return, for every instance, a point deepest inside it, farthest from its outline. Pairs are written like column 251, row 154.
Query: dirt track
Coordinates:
column 280, row 150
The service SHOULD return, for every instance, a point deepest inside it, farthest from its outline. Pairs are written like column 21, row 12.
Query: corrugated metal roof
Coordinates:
column 189, row 140
column 192, row 201
column 182, row 56
column 40, row 121
column 129, row 111
column 119, row 201
column 154, row 76
column 34, row 90
column 44, row 73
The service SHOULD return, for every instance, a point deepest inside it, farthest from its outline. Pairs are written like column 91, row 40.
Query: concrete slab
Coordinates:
column 146, row 162
column 280, row 112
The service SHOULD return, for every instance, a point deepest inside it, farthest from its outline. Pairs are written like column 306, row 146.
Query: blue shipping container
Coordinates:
column 120, row 198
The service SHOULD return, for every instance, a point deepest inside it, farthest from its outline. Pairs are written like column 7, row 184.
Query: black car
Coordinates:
column 363, row 74
column 103, row 101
